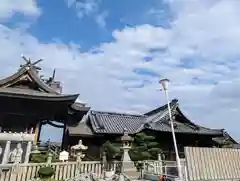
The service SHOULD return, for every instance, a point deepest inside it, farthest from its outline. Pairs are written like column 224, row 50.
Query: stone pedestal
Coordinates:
column 129, row 169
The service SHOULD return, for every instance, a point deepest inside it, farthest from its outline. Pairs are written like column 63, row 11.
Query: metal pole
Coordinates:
column 174, row 137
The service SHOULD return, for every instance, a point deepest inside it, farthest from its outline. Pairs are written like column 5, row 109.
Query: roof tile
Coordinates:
column 158, row 119
column 115, row 123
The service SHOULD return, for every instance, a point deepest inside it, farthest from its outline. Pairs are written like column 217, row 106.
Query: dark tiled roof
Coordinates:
column 225, row 138
column 162, row 108
column 82, row 129
column 182, row 128
column 158, row 119
column 103, row 122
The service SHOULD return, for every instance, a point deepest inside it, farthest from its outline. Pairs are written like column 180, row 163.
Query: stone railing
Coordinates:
column 9, row 136
column 63, row 170
column 10, row 139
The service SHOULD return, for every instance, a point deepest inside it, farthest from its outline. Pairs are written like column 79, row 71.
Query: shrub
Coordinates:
column 46, row 172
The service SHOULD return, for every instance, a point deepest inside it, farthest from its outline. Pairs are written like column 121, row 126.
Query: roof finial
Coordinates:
column 51, row 79
column 30, row 64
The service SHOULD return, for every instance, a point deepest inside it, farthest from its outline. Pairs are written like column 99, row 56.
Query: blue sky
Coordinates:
column 104, row 48
column 95, row 23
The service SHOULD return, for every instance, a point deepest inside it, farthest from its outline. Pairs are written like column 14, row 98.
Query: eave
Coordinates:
column 26, row 94
column 79, row 107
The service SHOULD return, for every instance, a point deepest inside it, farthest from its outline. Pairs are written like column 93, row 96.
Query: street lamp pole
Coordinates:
column 164, row 83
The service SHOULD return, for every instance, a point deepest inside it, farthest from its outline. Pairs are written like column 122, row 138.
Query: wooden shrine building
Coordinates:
column 98, row 127
column 27, row 101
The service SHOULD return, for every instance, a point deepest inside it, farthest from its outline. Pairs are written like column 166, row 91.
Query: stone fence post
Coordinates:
column 49, row 159
column 6, row 152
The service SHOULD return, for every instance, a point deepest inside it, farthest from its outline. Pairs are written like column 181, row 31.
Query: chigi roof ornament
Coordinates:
column 29, row 64
column 51, row 79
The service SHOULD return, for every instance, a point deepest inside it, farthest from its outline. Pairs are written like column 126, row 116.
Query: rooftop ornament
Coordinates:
column 30, row 64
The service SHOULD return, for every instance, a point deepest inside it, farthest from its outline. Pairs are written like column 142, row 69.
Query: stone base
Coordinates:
column 130, row 170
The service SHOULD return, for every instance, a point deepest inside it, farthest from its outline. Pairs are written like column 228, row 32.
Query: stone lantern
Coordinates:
column 77, row 150
column 126, row 145
column 127, row 165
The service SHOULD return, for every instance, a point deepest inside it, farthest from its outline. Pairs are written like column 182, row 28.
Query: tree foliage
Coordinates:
column 41, row 157
column 227, row 143
column 112, row 149
column 144, row 147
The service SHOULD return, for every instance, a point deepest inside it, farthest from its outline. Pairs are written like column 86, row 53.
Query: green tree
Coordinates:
column 144, row 147
column 227, row 143
column 41, row 157
column 112, row 150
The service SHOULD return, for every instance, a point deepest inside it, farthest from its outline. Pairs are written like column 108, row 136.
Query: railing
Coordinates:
column 10, row 136
column 54, row 149
column 49, row 147
column 167, row 168
column 63, row 171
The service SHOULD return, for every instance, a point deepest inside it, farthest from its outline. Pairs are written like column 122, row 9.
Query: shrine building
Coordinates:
column 28, row 101
column 97, row 127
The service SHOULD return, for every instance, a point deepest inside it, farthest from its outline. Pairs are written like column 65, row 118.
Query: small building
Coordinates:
column 98, row 127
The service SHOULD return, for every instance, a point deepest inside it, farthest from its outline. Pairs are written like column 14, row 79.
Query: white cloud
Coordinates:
column 83, row 8
column 9, row 7
column 204, row 36
column 88, row 8
column 101, row 19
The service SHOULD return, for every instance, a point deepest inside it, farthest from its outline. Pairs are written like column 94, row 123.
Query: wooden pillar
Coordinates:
column 64, row 136
column 37, row 132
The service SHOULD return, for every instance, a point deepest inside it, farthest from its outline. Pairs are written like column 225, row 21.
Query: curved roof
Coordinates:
column 43, row 91
column 27, row 70
column 158, row 120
